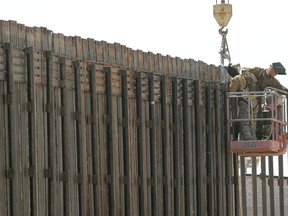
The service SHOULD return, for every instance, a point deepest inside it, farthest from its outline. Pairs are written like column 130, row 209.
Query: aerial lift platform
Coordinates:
column 270, row 124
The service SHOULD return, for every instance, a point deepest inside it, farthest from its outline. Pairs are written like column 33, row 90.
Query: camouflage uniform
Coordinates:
column 263, row 80
column 246, row 82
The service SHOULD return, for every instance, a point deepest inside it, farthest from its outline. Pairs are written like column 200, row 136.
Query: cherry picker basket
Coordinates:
column 270, row 124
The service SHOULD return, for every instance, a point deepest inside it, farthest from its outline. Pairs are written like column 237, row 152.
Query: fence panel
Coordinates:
column 93, row 128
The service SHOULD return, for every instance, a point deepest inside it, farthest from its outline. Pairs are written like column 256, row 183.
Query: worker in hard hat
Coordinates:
column 266, row 77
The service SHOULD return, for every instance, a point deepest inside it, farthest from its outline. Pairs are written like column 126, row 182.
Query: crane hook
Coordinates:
column 222, row 32
column 222, row 13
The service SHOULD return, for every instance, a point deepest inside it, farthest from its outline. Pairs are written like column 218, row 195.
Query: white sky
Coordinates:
column 257, row 33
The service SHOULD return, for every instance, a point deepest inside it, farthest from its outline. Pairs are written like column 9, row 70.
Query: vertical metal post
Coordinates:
column 110, row 143
column 31, row 131
column 219, row 170
column 65, row 151
column 243, row 186
column 126, row 144
column 254, row 186
column 176, row 167
column 164, row 141
column 50, row 170
column 229, row 166
column 209, row 120
column 187, row 150
column 153, row 157
column 95, row 178
column 201, row 165
column 11, row 187
column 80, row 147
column 271, row 185
column 280, row 184
column 140, row 145
column 236, row 184
column 264, row 185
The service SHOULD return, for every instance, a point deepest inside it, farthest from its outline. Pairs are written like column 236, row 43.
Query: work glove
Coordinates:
column 232, row 71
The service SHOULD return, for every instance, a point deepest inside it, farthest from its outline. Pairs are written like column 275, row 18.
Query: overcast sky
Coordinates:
column 257, row 32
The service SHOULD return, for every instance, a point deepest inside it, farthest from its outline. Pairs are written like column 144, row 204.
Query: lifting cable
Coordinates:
column 224, row 49
column 222, row 14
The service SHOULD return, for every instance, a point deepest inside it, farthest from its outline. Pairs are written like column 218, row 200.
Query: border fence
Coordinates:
column 93, row 128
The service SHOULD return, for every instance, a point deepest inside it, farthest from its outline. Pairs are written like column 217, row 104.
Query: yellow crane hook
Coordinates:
column 222, row 14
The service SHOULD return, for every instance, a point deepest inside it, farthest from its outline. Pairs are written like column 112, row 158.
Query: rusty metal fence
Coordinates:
column 92, row 128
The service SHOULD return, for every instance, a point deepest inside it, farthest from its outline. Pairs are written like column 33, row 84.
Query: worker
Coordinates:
column 266, row 77
column 245, row 82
